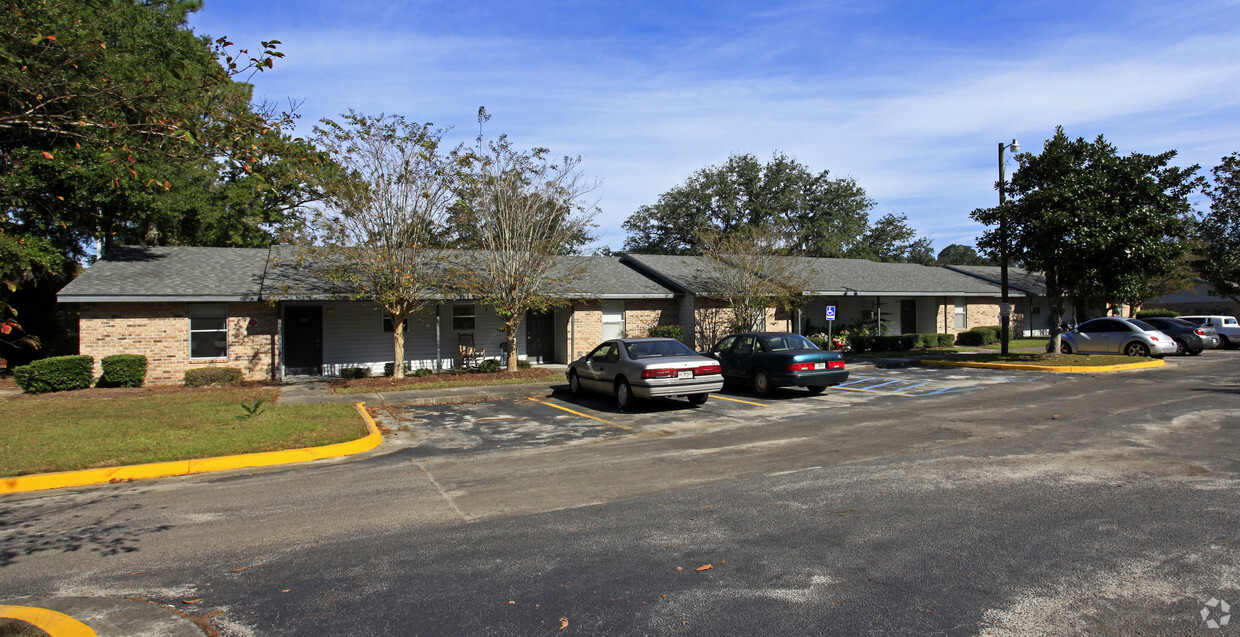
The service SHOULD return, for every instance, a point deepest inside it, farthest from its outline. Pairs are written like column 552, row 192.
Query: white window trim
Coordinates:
column 223, row 332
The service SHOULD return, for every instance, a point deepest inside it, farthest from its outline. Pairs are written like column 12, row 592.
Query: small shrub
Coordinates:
column 667, row 331
column 123, row 370
column 206, row 376
column 946, row 340
column 523, row 364
column 489, row 366
column 971, row 338
column 388, row 368
column 355, row 372
column 1157, row 312
column 423, row 372
column 990, row 334
column 821, row 341
column 58, row 373
column 861, row 344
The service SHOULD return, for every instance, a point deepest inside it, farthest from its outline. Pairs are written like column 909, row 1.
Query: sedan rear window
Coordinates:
column 657, row 349
column 785, row 342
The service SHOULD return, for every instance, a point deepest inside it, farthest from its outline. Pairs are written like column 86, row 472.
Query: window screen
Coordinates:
column 208, row 330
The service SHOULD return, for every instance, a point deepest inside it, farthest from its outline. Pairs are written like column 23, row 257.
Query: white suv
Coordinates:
column 1227, row 327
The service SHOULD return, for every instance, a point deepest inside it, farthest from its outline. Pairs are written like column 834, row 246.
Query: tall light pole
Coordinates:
column 1005, row 307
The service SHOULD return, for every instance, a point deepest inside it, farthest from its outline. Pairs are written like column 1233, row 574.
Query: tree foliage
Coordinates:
column 829, row 215
column 119, row 125
column 957, row 254
column 523, row 210
column 1100, row 226
column 1219, row 259
column 892, row 240
column 755, row 272
column 386, row 197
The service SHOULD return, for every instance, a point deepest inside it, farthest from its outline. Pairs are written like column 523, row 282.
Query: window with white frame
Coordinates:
column 387, row 323
column 208, row 330
column 463, row 316
column 962, row 316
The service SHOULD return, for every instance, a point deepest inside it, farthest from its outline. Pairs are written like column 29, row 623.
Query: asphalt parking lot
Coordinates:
column 434, row 430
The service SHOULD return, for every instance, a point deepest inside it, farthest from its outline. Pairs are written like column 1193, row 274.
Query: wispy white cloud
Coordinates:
column 914, row 117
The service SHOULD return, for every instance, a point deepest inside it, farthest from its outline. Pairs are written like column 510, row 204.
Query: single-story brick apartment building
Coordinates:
column 251, row 308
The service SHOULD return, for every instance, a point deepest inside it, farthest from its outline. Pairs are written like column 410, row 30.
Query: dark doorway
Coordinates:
column 908, row 316
column 540, row 337
column 303, row 341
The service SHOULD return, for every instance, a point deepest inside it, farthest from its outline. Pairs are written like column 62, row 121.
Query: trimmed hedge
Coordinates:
column 204, row 376
column 667, row 331
column 349, row 373
column 122, row 370
column 58, row 373
column 1157, row 312
column 489, row 366
column 900, row 342
column 978, row 336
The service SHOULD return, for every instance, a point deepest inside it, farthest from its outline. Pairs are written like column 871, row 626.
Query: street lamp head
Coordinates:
column 1015, row 146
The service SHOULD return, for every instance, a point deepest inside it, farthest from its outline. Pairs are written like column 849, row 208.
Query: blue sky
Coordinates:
column 909, row 98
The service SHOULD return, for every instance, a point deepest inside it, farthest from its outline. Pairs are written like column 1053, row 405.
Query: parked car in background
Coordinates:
column 767, row 360
column 1116, row 335
column 1190, row 338
column 636, row 368
column 1227, row 327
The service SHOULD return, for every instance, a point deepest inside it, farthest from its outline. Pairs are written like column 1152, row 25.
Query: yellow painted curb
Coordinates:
column 49, row 621
column 1077, row 369
column 41, row 481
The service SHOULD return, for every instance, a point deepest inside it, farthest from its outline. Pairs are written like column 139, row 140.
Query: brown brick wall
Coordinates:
column 160, row 331
column 585, row 327
column 642, row 314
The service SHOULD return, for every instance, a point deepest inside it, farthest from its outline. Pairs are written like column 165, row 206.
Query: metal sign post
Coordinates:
column 830, row 325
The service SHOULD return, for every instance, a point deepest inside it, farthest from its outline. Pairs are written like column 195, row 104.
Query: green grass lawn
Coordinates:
column 907, row 352
column 62, row 432
column 1019, row 342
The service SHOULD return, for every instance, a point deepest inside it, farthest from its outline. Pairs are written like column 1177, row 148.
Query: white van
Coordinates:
column 1227, row 327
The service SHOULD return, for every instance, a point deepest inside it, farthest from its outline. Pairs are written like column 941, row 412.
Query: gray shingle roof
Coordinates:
column 285, row 272
column 169, row 273
column 828, row 277
column 1030, row 283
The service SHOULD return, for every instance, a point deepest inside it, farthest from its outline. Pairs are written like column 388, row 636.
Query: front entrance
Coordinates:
column 540, row 337
column 303, row 341
column 908, row 316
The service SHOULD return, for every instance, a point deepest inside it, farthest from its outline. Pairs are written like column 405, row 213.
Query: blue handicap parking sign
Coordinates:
column 830, row 312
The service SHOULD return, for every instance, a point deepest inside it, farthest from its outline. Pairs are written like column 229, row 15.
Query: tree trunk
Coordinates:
column 398, row 344
column 510, row 328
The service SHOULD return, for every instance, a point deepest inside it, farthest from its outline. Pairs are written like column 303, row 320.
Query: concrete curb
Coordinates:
column 49, row 621
column 1075, row 369
column 41, row 481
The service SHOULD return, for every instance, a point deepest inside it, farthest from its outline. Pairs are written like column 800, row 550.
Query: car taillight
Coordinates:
column 707, row 369
column 801, row 367
column 1199, row 332
column 835, row 365
column 658, row 373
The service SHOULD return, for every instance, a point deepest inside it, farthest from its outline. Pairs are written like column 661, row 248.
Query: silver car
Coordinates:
column 633, row 368
column 1117, row 335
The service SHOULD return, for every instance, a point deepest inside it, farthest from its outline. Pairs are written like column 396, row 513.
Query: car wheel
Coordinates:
column 762, row 382
column 574, row 383
column 1224, row 342
column 1064, row 347
column 1180, row 347
column 698, row 399
column 1136, row 349
column 1195, row 352
column 816, row 389
column 624, row 396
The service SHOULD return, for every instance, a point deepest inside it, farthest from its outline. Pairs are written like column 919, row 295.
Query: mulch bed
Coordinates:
column 384, row 382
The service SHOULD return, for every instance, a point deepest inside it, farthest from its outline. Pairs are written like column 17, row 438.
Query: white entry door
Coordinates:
column 613, row 319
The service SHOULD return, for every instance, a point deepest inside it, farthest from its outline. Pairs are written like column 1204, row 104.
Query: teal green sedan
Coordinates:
column 767, row 360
